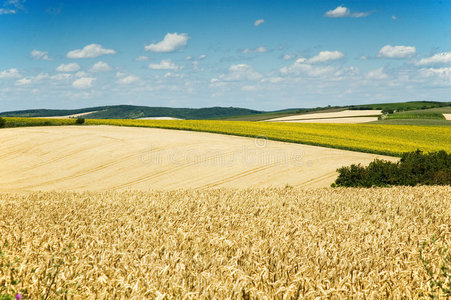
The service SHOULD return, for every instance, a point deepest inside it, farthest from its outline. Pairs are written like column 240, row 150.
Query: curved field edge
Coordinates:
column 370, row 138
column 264, row 243
column 378, row 139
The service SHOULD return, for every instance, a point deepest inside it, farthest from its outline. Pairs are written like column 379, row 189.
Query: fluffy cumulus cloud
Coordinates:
column 389, row 51
column 128, row 79
column 442, row 76
column 83, row 82
column 101, row 67
column 39, row 55
column 238, row 72
column 170, row 43
column 71, row 67
column 301, row 66
column 324, row 56
column 165, row 64
column 90, row 51
column 377, row 74
column 343, row 12
column 259, row 22
column 439, row 58
column 255, row 50
column 10, row 73
column 23, row 81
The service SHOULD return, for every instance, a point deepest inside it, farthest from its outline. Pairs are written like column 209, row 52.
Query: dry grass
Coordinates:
column 265, row 243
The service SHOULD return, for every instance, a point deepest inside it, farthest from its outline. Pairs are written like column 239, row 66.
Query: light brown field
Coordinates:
column 352, row 116
column 105, row 158
column 447, row 116
column 70, row 116
column 224, row 244
column 350, row 120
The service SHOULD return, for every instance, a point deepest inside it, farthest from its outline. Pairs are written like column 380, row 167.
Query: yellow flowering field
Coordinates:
column 373, row 138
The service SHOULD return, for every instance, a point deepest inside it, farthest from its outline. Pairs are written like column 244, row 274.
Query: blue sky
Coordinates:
column 257, row 54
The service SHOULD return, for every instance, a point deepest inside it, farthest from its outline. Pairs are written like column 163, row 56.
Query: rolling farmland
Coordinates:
column 372, row 138
column 98, row 158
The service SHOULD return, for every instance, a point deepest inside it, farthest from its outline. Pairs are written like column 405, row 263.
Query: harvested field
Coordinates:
column 70, row 116
column 225, row 244
column 447, row 116
column 98, row 158
column 351, row 120
column 329, row 115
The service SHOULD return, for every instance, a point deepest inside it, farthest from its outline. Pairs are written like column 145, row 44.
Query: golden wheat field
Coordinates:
column 282, row 243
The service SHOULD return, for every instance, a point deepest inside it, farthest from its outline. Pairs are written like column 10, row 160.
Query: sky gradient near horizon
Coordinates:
column 262, row 55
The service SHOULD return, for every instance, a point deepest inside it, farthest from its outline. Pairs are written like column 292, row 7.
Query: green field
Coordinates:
column 371, row 138
column 403, row 106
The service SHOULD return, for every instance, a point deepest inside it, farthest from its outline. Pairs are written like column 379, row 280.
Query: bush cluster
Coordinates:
column 414, row 168
column 2, row 122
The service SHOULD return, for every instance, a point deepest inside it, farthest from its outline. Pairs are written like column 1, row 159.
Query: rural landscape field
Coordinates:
column 225, row 149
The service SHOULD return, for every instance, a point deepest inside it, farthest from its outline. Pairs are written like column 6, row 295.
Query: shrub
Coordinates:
column 2, row 122
column 414, row 168
column 80, row 121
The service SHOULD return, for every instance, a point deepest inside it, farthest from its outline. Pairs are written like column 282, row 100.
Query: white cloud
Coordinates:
column 41, row 76
column 394, row 18
column 324, row 56
column 239, row 72
column 288, row 56
column 61, row 76
column 170, row 43
column 71, row 67
column 442, row 74
column 302, row 66
column 389, row 51
column 343, row 12
column 81, row 74
column 259, row 22
column 11, row 73
column 101, row 67
column 165, row 64
column 142, row 58
column 255, row 50
column 202, row 56
column 249, row 88
column 272, row 79
column 120, row 74
column 377, row 74
column 37, row 54
column 11, row 7
column 90, row 51
column 128, row 79
column 7, row 11
column 439, row 58
column 23, row 81
column 83, row 83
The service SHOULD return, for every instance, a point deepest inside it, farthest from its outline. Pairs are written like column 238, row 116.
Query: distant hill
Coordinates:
column 223, row 113
column 136, row 112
